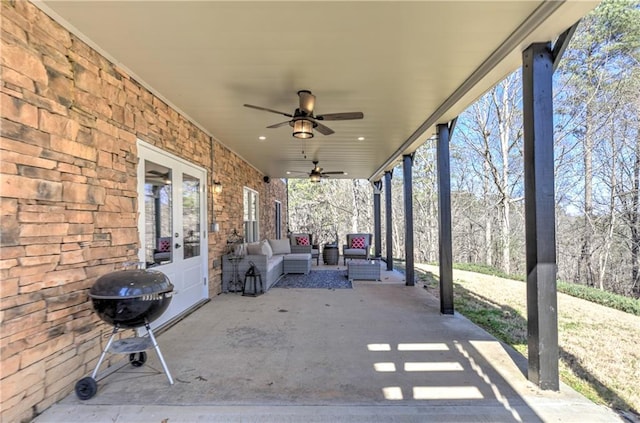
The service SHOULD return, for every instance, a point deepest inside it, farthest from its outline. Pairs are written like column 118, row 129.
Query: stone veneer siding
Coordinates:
column 235, row 174
column 69, row 124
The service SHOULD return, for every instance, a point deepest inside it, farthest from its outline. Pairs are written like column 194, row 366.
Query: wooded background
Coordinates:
column 597, row 170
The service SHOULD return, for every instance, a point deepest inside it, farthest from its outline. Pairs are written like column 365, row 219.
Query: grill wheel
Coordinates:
column 139, row 361
column 86, row 388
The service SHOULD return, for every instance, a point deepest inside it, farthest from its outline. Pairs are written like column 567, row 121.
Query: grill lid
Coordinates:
column 135, row 283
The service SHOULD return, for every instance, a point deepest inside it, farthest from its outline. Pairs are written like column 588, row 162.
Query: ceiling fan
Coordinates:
column 159, row 177
column 317, row 174
column 303, row 120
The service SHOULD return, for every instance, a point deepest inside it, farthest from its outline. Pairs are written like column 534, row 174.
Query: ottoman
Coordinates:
column 297, row 263
column 363, row 269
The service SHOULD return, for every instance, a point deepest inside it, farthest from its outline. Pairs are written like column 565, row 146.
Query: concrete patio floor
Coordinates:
column 380, row 352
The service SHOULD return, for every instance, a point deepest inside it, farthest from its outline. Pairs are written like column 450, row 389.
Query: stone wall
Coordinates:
column 235, row 174
column 70, row 121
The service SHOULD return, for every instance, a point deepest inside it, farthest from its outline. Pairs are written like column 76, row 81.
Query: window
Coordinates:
column 278, row 220
column 251, row 232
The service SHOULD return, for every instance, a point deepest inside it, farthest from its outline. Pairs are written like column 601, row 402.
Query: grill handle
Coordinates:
column 167, row 293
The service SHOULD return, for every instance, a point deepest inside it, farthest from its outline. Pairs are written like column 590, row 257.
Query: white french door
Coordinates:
column 172, row 225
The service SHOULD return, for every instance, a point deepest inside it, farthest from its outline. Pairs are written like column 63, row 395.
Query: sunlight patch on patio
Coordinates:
column 423, row 347
column 433, row 367
column 394, row 393
column 410, row 347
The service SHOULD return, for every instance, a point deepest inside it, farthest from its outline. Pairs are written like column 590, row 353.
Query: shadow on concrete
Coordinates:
column 378, row 352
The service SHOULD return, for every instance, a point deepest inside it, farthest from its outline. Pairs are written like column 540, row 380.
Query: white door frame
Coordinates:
column 176, row 269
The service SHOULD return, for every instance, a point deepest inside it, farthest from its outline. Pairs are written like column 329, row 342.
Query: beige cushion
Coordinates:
column 354, row 251
column 254, row 248
column 266, row 249
column 280, row 246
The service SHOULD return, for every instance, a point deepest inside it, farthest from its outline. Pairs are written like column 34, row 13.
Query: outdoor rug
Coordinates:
column 323, row 279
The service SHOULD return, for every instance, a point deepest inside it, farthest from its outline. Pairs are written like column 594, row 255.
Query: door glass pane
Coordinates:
column 158, row 211
column 191, row 215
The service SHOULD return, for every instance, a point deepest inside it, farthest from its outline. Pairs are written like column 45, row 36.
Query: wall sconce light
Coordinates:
column 216, row 187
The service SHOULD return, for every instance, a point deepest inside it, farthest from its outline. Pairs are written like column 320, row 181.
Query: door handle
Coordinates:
column 177, row 245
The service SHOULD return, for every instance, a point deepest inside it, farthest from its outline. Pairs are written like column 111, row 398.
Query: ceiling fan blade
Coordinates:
column 307, row 102
column 278, row 125
column 334, row 173
column 324, row 130
column 267, row 110
column 341, row 116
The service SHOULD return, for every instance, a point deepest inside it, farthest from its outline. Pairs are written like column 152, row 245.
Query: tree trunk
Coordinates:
column 635, row 232
column 354, row 208
column 585, row 269
column 606, row 248
column 488, row 222
column 433, row 230
column 504, row 126
column 506, row 238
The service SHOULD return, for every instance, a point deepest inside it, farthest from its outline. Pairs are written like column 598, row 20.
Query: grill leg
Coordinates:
column 104, row 352
column 157, row 348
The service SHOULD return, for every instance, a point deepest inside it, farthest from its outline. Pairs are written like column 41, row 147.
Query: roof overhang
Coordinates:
column 406, row 65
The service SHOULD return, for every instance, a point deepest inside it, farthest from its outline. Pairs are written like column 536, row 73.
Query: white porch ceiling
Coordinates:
column 406, row 65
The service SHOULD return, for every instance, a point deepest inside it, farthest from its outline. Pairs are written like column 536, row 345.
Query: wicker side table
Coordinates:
column 330, row 254
column 363, row 269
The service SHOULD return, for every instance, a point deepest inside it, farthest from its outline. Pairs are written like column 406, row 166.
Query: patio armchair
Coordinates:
column 303, row 243
column 357, row 247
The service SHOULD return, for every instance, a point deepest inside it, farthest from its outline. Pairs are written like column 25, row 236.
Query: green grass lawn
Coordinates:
column 507, row 322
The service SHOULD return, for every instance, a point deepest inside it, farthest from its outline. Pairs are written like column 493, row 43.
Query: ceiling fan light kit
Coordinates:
column 302, row 129
column 317, row 173
column 304, row 121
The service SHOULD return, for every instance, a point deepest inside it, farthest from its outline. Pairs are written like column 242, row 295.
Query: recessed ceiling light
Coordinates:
column 360, row 138
column 288, row 172
column 262, row 138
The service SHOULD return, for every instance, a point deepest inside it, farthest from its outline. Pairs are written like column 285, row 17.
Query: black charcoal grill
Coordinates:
column 128, row 299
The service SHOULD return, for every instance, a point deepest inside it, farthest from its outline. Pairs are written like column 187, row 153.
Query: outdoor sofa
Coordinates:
column 269, row 257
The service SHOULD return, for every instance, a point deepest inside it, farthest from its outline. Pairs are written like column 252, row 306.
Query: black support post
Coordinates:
column 377, row 218
column 388, row 218
column 444, row 220
column 542, row 314
column 407, row 169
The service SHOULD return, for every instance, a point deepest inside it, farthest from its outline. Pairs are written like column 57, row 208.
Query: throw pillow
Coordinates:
column 280, row 246
column 266, row 249
column 165, row 245
column 302, row 240
column 254, row 248
column 357, row 242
